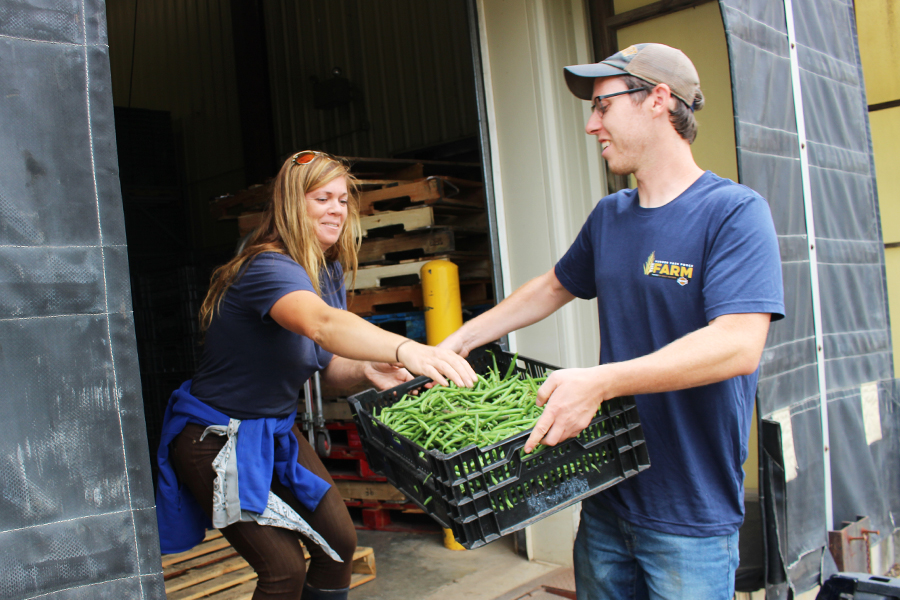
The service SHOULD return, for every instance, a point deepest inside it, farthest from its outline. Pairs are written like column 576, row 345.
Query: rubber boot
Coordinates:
column 311, row 593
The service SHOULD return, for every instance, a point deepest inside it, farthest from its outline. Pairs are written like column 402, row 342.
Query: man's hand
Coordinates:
column 384, row 376
column 454, row 343
column 572, row 397
column 729, row 346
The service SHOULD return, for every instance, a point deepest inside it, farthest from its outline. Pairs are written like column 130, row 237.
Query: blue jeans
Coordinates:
column 615, row 560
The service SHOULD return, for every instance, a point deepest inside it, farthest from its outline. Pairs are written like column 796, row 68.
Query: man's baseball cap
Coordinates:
column 654, row 63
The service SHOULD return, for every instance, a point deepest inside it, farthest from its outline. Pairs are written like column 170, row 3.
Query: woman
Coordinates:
column 231, row 455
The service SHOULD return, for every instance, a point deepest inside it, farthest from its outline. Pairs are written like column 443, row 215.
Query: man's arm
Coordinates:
column 731, row 345
column 534, row 301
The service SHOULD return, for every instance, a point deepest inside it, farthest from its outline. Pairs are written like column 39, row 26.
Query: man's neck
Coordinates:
column 666, row 176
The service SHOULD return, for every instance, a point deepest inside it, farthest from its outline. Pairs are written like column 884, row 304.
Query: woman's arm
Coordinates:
column 342, row 373
column 345, row 334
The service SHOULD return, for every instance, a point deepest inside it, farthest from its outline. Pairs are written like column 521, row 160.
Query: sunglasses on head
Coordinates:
column 305, row 157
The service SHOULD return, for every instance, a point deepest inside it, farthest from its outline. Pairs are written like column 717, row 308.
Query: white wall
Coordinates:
column 547, row 178
column 546, row 169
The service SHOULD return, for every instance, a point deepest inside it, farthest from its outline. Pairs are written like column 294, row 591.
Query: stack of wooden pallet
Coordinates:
column 214, row 570
column 409, row 223
column 411, row 212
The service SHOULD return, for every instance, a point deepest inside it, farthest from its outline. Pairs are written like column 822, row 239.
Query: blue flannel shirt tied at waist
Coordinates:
column 244, row 469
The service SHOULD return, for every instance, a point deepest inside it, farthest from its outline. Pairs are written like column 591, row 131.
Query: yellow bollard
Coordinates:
column 443, row 305
column 450, row 542
column 443, row 316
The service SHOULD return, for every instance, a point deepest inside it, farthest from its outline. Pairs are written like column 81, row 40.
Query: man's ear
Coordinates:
column 661, row 96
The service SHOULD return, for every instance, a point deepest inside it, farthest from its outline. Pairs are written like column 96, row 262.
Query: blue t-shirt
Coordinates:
column 659, row 274
column 251, row 366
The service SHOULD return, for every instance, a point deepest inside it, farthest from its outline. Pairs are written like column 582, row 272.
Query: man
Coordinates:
column 687, row 276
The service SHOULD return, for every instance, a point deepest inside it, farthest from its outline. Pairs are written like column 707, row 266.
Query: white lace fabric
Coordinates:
column 226, row 499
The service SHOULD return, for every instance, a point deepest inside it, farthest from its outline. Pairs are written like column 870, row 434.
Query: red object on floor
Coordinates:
column 349, row 430
column 376, row 518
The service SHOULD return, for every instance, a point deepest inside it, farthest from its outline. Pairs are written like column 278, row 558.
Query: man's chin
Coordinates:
column 619, row 170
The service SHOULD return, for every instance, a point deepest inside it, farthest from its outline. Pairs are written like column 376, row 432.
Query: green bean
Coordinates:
column 447, row 418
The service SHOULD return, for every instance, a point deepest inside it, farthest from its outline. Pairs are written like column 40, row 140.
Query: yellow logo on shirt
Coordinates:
column 680, row 272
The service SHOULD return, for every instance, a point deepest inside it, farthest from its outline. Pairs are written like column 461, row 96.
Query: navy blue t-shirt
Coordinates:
column 659, row 274
column 251, row 366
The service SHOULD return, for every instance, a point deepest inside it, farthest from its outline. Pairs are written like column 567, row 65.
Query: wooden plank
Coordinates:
column 211, row 545
column 372, row 301
column 364, row 561
column 252, row 199
column 223, row 575
column 370, row 182
column 367, row 490
column 195, row 577
column 180, row 567
column 372, row 277
column 417, row 191
column 476, row 292
column 243, row 591
column 209, row 587
column 434, row 241
column 411, row 219
column 432, row 190
column 367, row 301
column 357, row 579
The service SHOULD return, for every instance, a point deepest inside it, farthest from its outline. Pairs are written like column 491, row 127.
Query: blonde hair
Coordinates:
column 286, row 228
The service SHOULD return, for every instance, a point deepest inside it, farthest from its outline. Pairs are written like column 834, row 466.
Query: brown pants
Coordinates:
column 273, row 552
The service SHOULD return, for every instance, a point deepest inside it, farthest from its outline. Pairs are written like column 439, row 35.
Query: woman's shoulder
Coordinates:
column 272, row 266
column 267, row 261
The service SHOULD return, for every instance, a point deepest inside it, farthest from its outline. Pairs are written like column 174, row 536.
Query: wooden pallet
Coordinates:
column 423, row 217
column 371, row 301
column 428, row 242
column 436, row 190
column 214, row 570
column 379, row 276
column 371, row 491
column 366, row 302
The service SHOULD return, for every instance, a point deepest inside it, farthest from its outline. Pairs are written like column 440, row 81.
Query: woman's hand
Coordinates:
column 384, row 376
column 438, row 363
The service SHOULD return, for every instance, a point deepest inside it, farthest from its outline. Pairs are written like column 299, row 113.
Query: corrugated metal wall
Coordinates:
column 409, row 62
column 177, row 56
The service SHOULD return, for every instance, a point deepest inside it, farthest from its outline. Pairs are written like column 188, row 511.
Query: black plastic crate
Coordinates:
column 484, row 493
column 859, row 586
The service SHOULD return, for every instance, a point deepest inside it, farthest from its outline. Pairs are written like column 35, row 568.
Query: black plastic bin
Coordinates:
column 484, row 493
column 859, row 586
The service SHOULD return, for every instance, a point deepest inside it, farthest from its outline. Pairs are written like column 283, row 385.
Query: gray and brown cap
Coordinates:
column 654, row 63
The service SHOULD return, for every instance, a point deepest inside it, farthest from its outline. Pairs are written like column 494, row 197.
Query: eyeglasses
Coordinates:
column 598, row 107
column 305, row 157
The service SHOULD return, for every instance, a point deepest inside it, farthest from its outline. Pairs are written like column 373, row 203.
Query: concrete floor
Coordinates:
column 417, row 566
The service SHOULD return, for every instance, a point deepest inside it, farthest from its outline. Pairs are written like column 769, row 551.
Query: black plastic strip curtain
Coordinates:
column 862, row 397
column 77, row 516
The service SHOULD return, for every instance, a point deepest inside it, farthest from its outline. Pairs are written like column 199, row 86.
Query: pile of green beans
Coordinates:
column 448, row 419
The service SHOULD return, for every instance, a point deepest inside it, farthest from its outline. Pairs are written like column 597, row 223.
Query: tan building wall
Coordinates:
column 878, row 26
